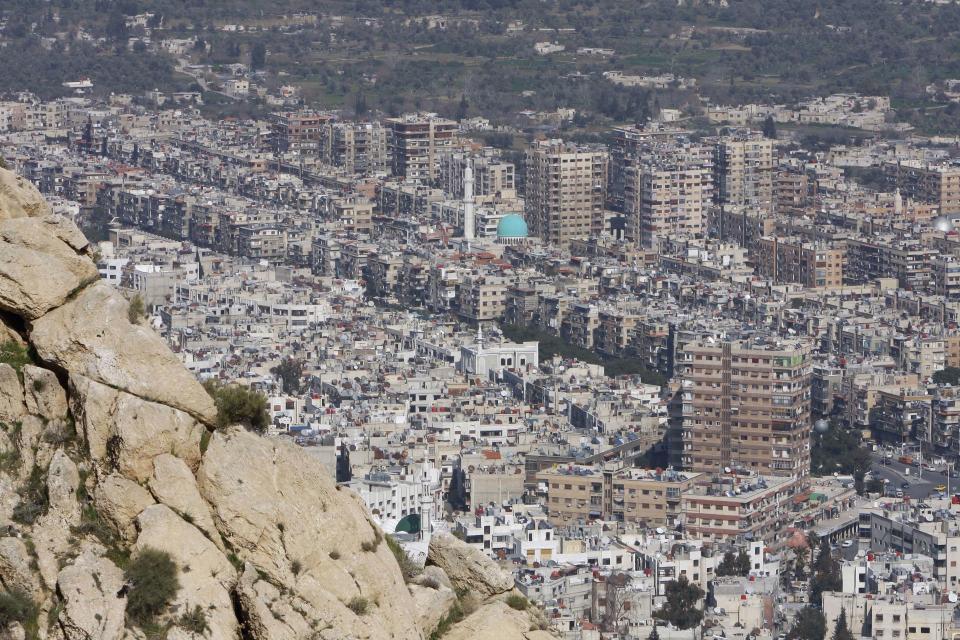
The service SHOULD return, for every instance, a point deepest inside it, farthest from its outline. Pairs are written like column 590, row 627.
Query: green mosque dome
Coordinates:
column 512, row 226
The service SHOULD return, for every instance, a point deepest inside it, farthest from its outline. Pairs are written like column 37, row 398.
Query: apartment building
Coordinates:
column 906, row 530
column 792, row 260
column 743, row 166
column 264, row 242
column 357, row 147
column 298, row 130
column 355, row 213
column 938, row 184
column 735, row 507
column 668, row 193
column 578, row 493
column 909, row 261
column 627, row 146
column 746, row 404
column 791, row 189
column 946, row 276
column 565, row 191
column 415, row 142
column 482, row 297
column 494, row 179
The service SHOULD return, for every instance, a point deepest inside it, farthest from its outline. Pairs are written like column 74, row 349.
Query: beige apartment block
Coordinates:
column 565, row 191
column 746, row 404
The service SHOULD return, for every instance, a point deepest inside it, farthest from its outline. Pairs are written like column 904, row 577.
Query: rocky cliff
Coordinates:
column 108, row 450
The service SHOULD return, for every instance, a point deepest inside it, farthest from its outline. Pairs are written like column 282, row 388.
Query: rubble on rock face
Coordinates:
column 100, row 439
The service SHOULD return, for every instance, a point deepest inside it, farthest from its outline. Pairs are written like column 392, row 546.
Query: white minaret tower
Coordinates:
column 468, row 223
column 426, row 499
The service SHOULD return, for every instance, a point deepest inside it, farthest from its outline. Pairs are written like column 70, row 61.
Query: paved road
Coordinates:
column 896, row 473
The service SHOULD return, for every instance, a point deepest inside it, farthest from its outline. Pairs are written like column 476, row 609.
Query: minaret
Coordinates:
column 468, row 223
column 426, row 498
column 897, row 203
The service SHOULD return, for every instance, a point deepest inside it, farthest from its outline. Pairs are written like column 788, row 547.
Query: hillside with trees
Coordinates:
column 397, row 59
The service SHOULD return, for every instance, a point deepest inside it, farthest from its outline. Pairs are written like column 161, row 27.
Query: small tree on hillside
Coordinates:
column 258, row 56
column 770, row 128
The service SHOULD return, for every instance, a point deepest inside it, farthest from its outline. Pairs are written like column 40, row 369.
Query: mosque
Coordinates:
column 512, row 229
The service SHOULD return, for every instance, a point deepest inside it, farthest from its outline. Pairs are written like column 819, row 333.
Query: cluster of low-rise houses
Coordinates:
column 398, row 292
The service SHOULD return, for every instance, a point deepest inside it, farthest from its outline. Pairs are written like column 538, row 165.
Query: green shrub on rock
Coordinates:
column 239, row 405
column 152, row 580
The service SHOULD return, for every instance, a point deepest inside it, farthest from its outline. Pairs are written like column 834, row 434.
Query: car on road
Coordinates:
column 899, row 493
column 847, row 544
column 941, row 488
column 904, row 485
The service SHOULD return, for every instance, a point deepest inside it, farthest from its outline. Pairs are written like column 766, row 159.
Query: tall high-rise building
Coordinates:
column 745, row 404
column 627, row 145
column 358, row 147
column 494, row 178
column 668, row 192
column 415, row 143
column 565, row 191
column 744, row 164
column 298, row 130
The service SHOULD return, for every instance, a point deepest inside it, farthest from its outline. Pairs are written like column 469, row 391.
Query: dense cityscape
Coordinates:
column 691, row 375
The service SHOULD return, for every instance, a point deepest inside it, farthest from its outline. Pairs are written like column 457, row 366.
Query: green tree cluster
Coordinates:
column 826, row 573
column 840, row 450
column 680, row 609
column 808, row 625
column 734, row 565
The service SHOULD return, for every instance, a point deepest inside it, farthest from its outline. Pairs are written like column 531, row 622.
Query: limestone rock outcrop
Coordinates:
column 495, row 621
column 92, row 609
column 19, row 198
column 432, row 605
column 277, row 509
column 38, row 271
column 467, row 567
column 91, row 336
column 108, row 448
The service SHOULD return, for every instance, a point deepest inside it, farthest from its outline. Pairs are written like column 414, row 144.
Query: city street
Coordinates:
column 897, row 473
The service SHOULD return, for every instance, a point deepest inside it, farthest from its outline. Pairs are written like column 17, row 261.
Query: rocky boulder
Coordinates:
column 19, row 198
column 125, row 433
column 119, row 501
column 432, row 605
column 468, row 568
column 206, row 576
column 12, row 406
column 91, row 592
column 90, row 336
column 278, row 509
column 38, row 271
column 496, row 621
column 44, row 395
